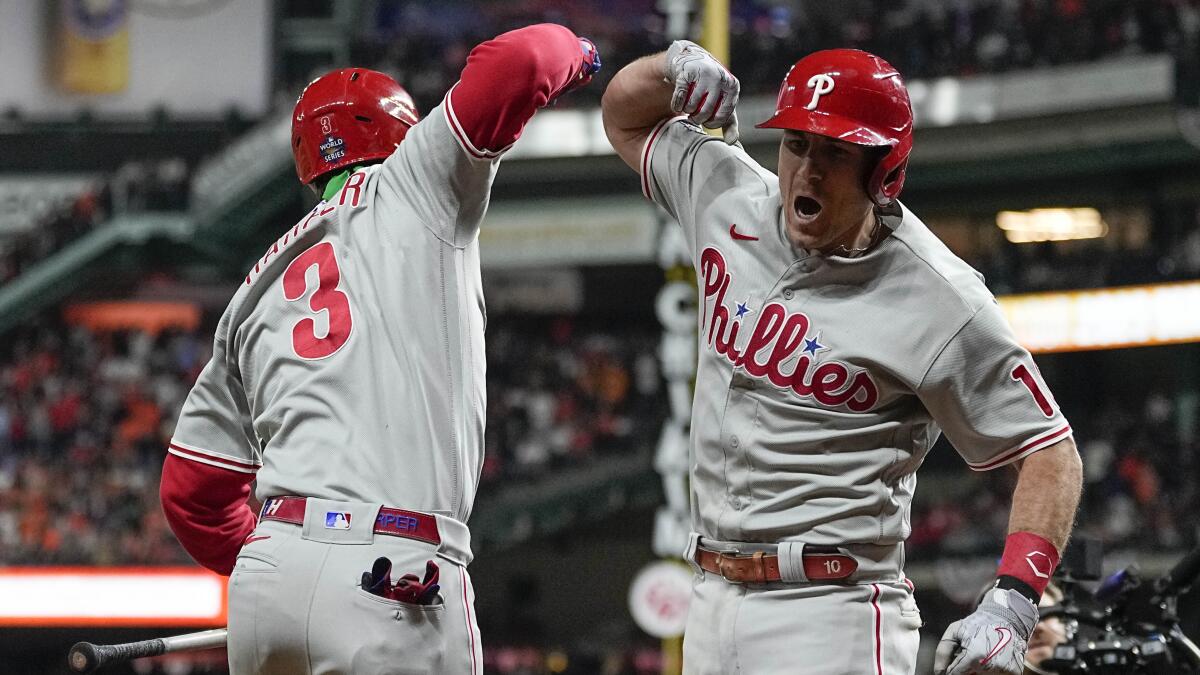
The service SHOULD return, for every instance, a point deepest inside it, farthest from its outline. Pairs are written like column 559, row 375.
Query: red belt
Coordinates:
column 760, row 567
column 396, row 522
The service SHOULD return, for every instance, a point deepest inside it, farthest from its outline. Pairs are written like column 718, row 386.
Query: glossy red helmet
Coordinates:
column 347, row 117
column 851, row 96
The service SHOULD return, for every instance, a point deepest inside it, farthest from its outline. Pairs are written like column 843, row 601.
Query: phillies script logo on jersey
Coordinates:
column 777, row 337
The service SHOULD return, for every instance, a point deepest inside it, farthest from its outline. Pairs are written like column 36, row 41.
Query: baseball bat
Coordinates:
column 86, row 657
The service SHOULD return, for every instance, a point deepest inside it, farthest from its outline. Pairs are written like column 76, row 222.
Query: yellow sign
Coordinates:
column 92, row 49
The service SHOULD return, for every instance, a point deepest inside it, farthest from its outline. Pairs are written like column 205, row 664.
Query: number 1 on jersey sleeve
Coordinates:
column 335, row 303
column 1021, row 374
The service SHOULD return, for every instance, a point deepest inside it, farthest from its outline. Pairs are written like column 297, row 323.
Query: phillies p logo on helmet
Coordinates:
column 871, row 109
column 821, row 84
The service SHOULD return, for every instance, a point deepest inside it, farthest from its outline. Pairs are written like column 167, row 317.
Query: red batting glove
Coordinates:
column 591, row 65
column 414, row 591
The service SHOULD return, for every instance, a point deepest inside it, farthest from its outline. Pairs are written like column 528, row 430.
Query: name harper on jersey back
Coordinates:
column 352, row 190
column 778, row 335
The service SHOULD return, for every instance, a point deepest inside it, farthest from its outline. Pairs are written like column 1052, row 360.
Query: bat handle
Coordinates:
column 86, row 657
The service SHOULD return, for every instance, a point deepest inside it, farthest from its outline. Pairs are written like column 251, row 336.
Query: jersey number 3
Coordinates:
column 1021, row 374
column 326, row 297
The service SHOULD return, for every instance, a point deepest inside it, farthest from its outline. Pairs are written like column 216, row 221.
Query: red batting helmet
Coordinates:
column 851, row 96
column 347, row 117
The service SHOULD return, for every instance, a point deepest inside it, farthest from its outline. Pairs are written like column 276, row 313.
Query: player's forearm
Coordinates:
column 508, row 78
column 1047, row 493
column 636, row 99
column 206, row 508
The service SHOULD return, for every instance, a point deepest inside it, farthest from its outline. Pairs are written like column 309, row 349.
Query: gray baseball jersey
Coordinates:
column 823, row 381
column 350, row 363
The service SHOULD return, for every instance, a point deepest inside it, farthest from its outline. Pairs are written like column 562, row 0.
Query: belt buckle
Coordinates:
column 758, row 566
column 721, row 560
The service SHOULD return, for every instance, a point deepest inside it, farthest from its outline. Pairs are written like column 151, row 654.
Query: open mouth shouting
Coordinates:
column 806, row 209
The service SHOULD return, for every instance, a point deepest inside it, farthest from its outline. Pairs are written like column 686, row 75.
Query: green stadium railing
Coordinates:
column 66, row 271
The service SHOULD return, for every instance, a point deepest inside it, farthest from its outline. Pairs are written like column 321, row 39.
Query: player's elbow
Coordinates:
column 624, row 134
column 1072, row 464
column 1061, row 460
column 172, row 488
column 176, row 494
column 527, row 54
column 616, row 105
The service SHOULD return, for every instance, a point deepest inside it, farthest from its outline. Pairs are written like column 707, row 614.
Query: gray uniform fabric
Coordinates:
column 797, row 628
column 350, row 366
column 397, row 413
column 824, row 381
column 295, row 606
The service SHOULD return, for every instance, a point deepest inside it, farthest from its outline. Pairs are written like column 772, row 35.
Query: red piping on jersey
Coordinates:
column 462, row 575
column 1030, row 447
column 506, row 80
column 878, row 630
column 463, row 140
column 658, row 128
column 206, row 508
column 208, row 458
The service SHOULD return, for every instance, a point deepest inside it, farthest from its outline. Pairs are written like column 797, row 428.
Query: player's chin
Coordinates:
column 807, row 233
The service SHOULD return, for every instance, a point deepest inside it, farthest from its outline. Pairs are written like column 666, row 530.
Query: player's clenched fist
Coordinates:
column 591, row 61
column 992, row 640
column 705, row 90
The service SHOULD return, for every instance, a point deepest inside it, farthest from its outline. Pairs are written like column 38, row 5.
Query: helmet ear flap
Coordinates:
column 886, row 181
column 880, row 176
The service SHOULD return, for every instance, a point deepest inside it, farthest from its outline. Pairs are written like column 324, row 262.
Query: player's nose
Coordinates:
column 809, row 170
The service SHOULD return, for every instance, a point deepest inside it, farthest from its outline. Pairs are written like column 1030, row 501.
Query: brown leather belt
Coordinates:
column 820, row 564
column 395, row 522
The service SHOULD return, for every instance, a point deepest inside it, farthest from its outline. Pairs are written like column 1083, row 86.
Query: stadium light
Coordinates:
column 111, row 596
column 1106, row 318
column 1051, row 225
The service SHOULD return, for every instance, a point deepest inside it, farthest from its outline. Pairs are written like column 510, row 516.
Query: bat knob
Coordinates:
column 82, row 657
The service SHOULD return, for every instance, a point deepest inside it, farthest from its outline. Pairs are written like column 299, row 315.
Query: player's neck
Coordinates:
column 335, row 183
column 857, row 240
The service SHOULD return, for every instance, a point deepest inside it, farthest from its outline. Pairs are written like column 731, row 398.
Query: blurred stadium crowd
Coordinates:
column 138, row 186
column 1170, row 251
column 567, row 396
column 85, row 417
column 425, row 44
column 1139, row 487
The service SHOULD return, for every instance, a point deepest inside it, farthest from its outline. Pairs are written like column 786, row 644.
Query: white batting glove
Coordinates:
column 705, row 90
column 991, row 640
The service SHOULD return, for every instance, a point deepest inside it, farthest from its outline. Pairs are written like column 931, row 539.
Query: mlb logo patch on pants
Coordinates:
column 337, row 520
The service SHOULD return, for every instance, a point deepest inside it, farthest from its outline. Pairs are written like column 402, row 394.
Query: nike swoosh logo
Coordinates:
column 1005, row 638
column 738, row 235
column 251, row 539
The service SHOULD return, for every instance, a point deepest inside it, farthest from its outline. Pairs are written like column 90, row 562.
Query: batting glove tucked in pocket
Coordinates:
column 705, row 90
column 991, row 640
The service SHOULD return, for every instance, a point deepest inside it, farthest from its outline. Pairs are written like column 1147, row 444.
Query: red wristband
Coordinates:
column 1029, row 558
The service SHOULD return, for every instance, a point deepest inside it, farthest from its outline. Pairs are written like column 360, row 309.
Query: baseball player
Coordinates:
column 347, row 378
column 837, row 339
